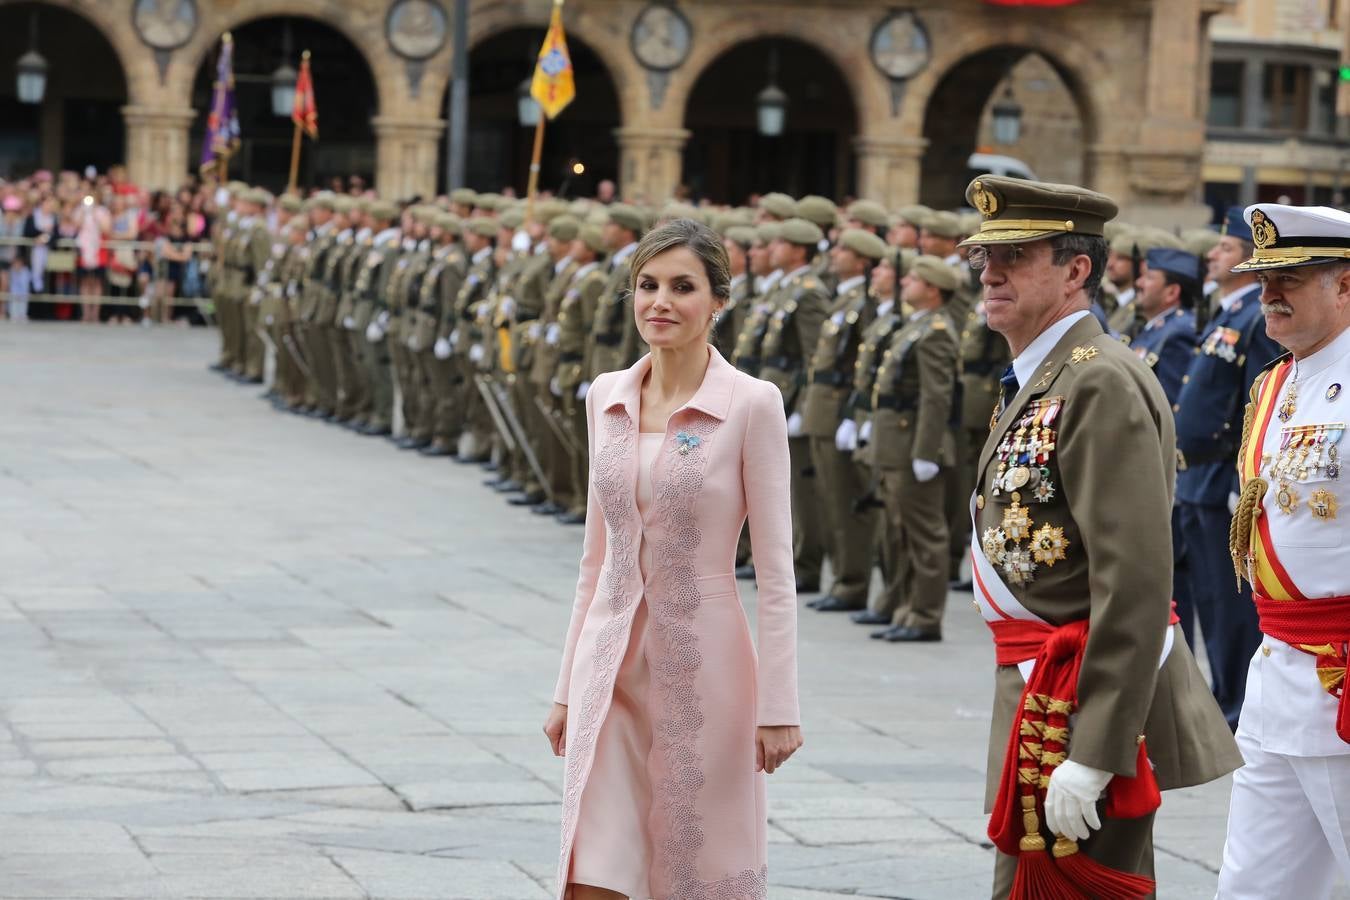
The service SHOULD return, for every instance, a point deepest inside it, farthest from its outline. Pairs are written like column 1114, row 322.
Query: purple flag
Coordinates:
column 222, row 125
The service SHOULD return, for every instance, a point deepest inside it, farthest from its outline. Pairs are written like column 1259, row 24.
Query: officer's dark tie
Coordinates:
column 1010, row 387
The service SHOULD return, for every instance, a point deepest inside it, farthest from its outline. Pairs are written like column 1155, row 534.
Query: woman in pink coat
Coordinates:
column 667, row 717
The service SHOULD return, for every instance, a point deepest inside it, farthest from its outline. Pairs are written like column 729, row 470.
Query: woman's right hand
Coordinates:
column 555, row 727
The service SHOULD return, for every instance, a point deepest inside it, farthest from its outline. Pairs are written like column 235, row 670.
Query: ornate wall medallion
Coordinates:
column 416, row 29
column 900, row 46
column 164, row 24
column 661, row 37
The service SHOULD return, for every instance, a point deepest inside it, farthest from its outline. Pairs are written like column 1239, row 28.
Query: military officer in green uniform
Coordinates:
column 371, row 316
column 1081, row 455
column 940, row 234
column 402, row 294
column 775, row 207
column 311, row 335
column 480, row 235
column 219, row 277
column 799, row 308
column 906, row 225
column 868, row 215
column 737, row 239
column 440, row 287
column 353, row 393
column 249, row 250
column 910, row 428
column 763, row 281
column 614, row 313
column 1130, row 250
column 821, row 212
column 849, row 528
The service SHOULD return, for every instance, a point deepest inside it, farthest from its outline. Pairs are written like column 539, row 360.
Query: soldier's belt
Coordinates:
column 833, row 379
column 1321, row 628
column 608, row 340
column 895, row 402
column 571, row 357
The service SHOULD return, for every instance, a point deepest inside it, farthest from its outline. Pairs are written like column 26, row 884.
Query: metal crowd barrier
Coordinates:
column 68, row 264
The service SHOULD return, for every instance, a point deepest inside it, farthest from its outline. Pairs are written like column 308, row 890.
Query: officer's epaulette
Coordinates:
column 809, row 283
column 1275, row 362
column 1082, row 353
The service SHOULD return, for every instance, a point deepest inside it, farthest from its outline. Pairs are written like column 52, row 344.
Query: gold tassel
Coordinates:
column 1240, row 532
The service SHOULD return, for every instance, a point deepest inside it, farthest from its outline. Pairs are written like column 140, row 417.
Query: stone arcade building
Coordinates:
column 882, row 102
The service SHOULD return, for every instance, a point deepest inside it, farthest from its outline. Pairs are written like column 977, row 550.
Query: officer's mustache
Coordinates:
column 1277, row 306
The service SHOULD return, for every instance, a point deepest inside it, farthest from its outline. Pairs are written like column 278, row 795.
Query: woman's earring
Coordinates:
column 717, row 317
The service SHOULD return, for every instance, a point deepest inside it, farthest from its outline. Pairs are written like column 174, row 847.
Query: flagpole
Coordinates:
column 534, row 166
column 295, row 140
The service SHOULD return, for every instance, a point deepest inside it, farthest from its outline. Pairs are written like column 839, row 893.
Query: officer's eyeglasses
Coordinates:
column 1005, row 256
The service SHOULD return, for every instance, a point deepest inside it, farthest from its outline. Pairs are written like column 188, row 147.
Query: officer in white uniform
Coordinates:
column 1289, row 820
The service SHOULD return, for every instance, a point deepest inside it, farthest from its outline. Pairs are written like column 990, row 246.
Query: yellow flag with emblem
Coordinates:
column 553, row 86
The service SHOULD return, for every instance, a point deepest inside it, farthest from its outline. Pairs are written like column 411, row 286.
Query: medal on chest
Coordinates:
column 1026, row 449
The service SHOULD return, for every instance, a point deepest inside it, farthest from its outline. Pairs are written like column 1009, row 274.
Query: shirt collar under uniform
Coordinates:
column 1030, row 359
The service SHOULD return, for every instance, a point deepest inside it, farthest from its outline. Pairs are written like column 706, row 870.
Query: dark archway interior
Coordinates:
column 344, row 89
column 726, row 159
column 79, row 122
column 499, row 148
column 952, row 123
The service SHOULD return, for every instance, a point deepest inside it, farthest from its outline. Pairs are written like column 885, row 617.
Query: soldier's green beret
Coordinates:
column 464, row 197
column 915, row 214
column 868, row 212
column 818, row 210
column 323, row 200
column 593, row 236
column 629, row 217
column 236, row 188
column 424, row 213
column 1114, row 229
column 579, row 208
column 258, row 196
column 768, row 232
column 934, row 271
column 1144, row 238
column 802, row 232
column 564, row 228
column 291, row 204
column 740, row 234
column 511, row 218
column 780, row 206
column 345, row 205
column 484, row 226
column 738, row 216
column 364, row 204
column 546, row 211
column 1014, row 210
column 1200, row 241
column 863, row 243
column 943, row 224
column 676, row 210
column 383, row 210
column 970, row 223
column 447, row 221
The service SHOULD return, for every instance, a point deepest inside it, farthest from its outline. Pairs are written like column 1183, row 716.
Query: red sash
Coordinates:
column 1320, row 628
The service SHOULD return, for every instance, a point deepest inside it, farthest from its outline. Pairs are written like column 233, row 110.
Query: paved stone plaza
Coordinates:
column 249, row 655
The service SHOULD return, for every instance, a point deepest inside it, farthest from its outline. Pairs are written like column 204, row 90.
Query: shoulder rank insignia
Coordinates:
column 939, row 324
column 1084, row 353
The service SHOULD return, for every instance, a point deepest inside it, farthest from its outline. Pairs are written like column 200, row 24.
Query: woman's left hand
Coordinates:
column 774, row 744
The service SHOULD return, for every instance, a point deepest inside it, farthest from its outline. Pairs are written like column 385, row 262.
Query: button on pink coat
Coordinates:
column 725, row 455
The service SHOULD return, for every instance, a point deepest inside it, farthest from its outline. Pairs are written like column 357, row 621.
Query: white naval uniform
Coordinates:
column 1289, row 817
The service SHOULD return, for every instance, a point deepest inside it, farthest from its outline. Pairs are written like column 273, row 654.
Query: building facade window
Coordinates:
column 1284, row 97
column 1225, row 98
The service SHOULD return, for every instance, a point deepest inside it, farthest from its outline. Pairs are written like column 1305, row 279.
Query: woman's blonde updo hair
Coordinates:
column 701, row 240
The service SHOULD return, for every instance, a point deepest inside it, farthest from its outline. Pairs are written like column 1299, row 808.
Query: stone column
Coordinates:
column 405, row 156
column 157, row 145
column 889, row 169
column 651, row 161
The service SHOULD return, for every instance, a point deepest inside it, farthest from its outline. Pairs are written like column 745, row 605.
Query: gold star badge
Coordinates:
column 1287, row 498
column 1048, row 544
column 1083, row 354
column 1323, row 504
column 1016, row 522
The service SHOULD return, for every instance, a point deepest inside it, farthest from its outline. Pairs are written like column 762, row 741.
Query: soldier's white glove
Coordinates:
column 255, row 298
column 1232, row 502
column 555, row 386
column 268, row 320
column 553, row 335
column 349, row 323
column 412, row 344
column 865, row 433
column 794, row 425
column 476, row 353
column 520, row 242
column 373, row 332
column 582, row 389
column 1071, row 799
column 442, row 349
column 454, row 337
column 846, row 436
column 924, row 470
column 383, row 319
column 507, row 307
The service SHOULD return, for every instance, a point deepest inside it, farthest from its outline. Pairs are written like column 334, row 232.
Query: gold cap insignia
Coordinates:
column 984, row 201
column 1263, row 230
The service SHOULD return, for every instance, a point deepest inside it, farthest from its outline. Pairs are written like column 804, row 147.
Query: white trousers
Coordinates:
column 1288, row 826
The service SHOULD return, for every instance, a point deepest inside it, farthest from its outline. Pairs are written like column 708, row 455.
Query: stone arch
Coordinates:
column 113, row 23
column 387, row 70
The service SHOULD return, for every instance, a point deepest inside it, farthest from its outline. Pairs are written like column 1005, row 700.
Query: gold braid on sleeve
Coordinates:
column 1240, row 532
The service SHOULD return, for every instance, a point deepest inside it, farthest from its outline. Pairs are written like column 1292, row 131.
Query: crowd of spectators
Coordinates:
column 96, row 235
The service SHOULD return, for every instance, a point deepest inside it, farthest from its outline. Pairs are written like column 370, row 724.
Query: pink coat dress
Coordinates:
column 724, row 456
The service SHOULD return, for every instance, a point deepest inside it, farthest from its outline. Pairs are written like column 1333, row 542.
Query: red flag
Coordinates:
column 305, row 112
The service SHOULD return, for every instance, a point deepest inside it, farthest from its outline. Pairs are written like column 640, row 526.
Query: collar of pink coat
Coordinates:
column 712, row 397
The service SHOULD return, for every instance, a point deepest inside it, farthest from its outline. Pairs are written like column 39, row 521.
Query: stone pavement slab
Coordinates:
column 247, row 655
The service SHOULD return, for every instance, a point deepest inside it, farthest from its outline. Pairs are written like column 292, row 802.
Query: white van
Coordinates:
column 994, row 164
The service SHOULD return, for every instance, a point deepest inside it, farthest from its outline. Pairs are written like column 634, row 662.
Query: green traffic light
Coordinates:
column 1345, row 73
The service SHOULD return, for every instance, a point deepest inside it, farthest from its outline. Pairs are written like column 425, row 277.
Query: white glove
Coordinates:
column 454, row 338
column 1232, row 502
column 582, row 389
column 383, row 318
column 865, row 433
column 535, row 330
column 411, row 343
column 373, row 332
column 520, row 242
column 1071, row 799
column 268, row 320
column 555, row 387
column 925, row 470
column 846, row 436
column 442, row 349
column 795, row 425
column 507, row 307
column 349, row 323
column 476, row 353
column 255, row 298
column 553, row 335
